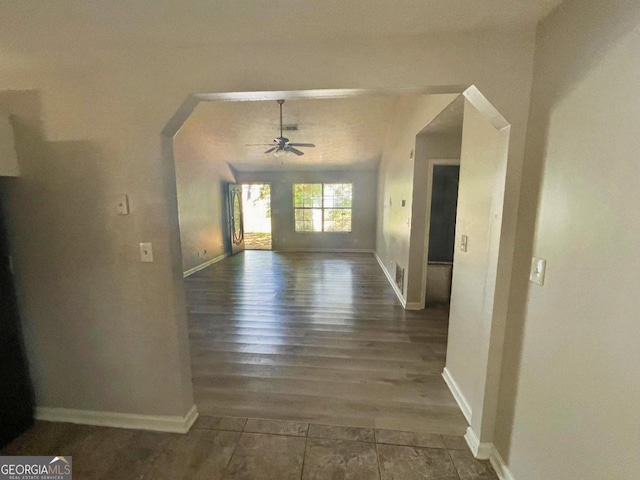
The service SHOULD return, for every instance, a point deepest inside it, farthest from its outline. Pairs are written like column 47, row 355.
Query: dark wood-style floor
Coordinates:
column 317, row 338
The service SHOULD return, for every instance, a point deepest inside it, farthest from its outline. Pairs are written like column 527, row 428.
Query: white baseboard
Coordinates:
column 482, row 451
column 500, row 466
column 204, row 265
column 486, row 450
column 392, row 281
column 163, row 423
column 463, row 403
column 323, row 250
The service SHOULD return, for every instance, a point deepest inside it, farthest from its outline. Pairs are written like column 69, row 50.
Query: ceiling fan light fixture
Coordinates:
column 281, row 145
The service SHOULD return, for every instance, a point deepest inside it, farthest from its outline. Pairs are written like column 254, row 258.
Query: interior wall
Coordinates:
column 363, row 223
column 428, row 147
column 396, row 178
column 479, row 217
column 569, row 396
column 79, row 279
column 201, row 180
column 91, row 114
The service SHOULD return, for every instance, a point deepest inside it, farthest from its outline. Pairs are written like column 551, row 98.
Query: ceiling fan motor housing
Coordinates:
column 282, row 143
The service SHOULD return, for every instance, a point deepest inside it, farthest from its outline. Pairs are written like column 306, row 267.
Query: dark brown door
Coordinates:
column 235, row 218
column 16, row 396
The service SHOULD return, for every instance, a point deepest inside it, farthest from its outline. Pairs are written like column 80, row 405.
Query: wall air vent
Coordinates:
column 290, row 128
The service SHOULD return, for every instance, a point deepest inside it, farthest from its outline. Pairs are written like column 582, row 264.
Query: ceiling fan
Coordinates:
column 281, row 144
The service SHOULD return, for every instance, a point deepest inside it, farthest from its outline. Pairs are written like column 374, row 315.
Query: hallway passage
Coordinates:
column 319, row 338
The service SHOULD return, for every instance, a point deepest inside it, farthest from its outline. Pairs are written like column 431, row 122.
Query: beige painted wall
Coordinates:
column 103, row 331
column 570, row 388
column 90, row 116
column 363, row 226
column 396, row 177
column 201, row 180
column 479, row 217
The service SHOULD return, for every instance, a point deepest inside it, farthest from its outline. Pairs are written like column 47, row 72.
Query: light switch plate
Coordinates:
column 538, row 269
column 464, row 240
column 123, row 205
column 146, row 252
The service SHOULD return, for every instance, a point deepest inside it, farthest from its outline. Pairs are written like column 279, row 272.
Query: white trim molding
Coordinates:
column 393, row 283
column 158, row 423
column 204, row 265
column 500, row 466
column 462, row 401
column 480, row 450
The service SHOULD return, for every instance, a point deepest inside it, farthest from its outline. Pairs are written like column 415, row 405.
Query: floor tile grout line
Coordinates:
column 308, row 424
column 226, row 467
column 377, row 454
column 412, row 446
column 308, row 435
column 304, row 457
column 276, row 434
column 455, row 468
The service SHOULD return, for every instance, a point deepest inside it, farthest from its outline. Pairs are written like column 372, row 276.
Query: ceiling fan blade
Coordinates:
column 289, row 148
column 273, row 149
column 310, row 145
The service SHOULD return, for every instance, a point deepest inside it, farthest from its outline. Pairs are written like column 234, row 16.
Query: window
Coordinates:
column 322, row 207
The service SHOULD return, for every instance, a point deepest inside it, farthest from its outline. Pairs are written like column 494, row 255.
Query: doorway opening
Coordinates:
column 224, row 329
column 256, row 200
column 442, row 231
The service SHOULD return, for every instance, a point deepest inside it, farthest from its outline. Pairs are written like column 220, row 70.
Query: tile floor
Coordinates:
column 251, row 449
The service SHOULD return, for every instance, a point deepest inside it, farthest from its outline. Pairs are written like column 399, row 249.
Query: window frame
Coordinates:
column 322, row 207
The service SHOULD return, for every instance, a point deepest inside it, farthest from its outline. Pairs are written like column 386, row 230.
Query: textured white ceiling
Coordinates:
column 347, row 132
